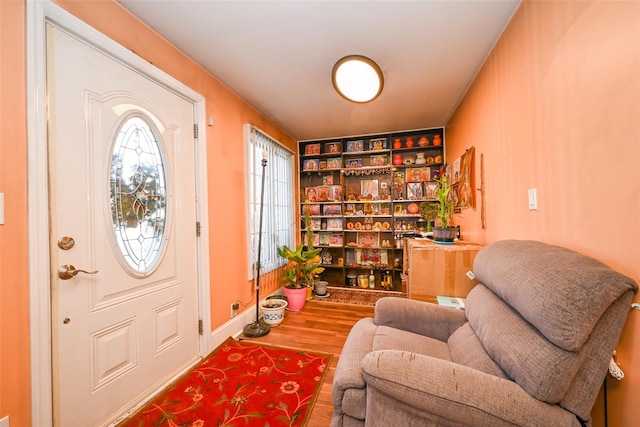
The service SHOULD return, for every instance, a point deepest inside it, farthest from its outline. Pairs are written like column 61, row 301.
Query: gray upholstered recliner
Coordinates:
column 531, row 349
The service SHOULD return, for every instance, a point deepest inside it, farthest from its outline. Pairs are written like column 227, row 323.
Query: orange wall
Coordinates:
column 14, row 290
column 557, row 107
column 226, row 180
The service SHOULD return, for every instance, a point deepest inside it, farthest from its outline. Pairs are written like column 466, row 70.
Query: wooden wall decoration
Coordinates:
column 462, row 179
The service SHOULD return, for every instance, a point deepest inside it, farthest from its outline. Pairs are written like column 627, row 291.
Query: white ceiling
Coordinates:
column 278, row 55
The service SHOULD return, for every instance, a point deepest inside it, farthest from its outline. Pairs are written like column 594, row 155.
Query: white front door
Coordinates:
column 123, row 209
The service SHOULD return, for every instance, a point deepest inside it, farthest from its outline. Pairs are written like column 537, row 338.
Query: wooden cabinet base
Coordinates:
column 435, row 269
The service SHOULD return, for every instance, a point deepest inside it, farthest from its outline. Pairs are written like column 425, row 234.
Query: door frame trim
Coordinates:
column 38, row 15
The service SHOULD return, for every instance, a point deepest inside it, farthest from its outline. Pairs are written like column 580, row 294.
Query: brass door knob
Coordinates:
column 68, row 271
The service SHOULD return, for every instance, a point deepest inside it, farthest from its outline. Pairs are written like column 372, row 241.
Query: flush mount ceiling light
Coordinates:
column 357, row 78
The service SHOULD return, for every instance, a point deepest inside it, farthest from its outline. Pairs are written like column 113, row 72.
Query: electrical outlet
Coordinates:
column 234, row 309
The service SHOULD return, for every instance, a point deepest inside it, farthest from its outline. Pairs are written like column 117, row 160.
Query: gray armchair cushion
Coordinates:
column 542, row 369
column 466, row 349
column 397, row 339
column 551, row 287
column 430, row 320
column 463, row 395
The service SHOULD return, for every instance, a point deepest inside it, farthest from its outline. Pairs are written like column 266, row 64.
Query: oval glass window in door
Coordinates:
column 138, row 192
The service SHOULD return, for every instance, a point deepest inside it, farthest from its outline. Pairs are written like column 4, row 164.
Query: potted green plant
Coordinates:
column 273, row 311
column 299, row 273
column 302, row 268
column 428, row 211
column 444, row 232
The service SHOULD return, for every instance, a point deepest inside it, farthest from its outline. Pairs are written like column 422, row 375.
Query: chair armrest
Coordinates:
column 456, row 392
column 348, row 373
column 431, row 320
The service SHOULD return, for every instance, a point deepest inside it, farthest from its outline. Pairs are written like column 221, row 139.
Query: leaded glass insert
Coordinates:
column 138, row 192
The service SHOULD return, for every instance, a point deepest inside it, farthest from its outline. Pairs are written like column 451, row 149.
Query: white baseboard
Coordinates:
column 233, row 327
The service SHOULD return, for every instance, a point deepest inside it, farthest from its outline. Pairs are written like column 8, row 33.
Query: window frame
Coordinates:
column 278, row 225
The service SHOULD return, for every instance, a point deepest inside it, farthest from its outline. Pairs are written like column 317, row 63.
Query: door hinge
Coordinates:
column 198, row 228
column 195, row 131
column 200, row 327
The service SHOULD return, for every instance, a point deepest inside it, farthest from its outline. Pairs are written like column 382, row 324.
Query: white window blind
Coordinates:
column 277, row 222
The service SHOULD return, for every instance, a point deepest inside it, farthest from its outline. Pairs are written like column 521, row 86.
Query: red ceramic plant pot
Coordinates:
column 295, row 298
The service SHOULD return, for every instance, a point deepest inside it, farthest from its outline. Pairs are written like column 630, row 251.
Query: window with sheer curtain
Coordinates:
column 278, row 219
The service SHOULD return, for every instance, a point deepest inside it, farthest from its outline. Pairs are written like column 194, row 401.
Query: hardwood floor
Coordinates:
column 320, row 327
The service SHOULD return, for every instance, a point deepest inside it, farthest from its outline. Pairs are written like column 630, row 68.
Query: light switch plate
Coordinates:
column 4, row 422
column 1, row 222
column 533, row 199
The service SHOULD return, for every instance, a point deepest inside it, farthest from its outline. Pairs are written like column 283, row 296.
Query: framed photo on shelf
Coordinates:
column 397, row 209
column 333, row 147
column 327, row 180
column 314, row 224
column 310, row 165
column 353, row 163
column 418, row 174
column 355, row 146
column 376, row 144
column 311, row 149
column 335, row 239
column 334, row 224
column 334, row 163
column 324, row 239
column 312, row 209
column 323, row 193
column 368, row 239
column 311, row 194
column 335, row 193
column 373, row 257
column 322, row 165
column 431, row 190
column 369, row 188
column 378, row 160
column 414, row 191
column 332, row 209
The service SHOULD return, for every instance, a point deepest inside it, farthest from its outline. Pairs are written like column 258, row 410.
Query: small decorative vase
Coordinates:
column 321, row 287
column 437, row 140
column 296, row 298
column 409, row 142
column 397, row 159
column 420, row 159
column 423, row 141
column 273, row 311
column 397, row 143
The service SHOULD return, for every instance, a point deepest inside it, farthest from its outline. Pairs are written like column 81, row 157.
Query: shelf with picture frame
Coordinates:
column 370, row 186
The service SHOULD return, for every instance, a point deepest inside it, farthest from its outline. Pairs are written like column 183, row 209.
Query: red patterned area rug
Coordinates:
column 240, row 384
column 355, row 296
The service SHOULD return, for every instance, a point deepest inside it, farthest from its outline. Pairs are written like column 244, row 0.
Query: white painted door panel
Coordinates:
column 121, row 332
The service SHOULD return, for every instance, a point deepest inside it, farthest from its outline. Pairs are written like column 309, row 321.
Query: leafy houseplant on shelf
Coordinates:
column 301, row 269
column 444, row 232
column 428, row 211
